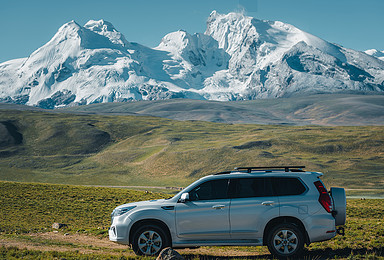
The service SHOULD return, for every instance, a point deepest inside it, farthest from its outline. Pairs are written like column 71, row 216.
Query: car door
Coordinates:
column 252, row 206
column 205, row 216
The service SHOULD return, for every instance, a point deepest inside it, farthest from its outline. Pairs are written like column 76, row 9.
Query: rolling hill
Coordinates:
column 79, row 148
column 326, row 109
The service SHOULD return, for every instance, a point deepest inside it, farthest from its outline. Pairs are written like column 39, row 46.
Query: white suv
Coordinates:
column 281, row 207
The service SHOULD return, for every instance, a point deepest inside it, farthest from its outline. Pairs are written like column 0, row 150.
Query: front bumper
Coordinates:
column 118, row 234
column 112, row 233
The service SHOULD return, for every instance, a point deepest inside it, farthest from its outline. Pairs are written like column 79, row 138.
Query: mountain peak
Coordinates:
column 106, row 29
column 66, row 42
column 227, row 17
column 68, row 30
column 376, row 53
column 238, row 34
column 100, row 26
column 71, row 24
column 174, row 42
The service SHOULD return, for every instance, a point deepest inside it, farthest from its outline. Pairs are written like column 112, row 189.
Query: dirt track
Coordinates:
column 57, row 241
column 52, row 241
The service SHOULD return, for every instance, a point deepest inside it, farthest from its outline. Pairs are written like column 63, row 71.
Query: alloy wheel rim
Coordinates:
column 285, row 242
column 150, row 242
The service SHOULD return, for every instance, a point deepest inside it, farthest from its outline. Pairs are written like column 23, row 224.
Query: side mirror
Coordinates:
column 184, row 197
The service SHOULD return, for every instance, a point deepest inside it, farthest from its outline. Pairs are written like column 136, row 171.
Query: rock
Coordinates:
column 59, row 225
column 169, row 254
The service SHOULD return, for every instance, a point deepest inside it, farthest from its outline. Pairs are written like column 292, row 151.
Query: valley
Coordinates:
column 125, row 150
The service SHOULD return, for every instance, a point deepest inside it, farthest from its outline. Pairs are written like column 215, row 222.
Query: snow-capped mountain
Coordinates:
column 274, row 59
column 376, row 53
column 238, row 57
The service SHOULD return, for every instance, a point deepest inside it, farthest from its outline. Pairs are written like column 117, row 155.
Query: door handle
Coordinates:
column 218, row 206
column 268, row 203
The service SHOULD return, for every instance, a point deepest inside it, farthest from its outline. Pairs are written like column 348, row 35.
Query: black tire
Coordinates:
column 285, row 240
column 149, row 240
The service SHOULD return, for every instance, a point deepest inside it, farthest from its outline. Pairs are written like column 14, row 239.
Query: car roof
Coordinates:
column 267, row 171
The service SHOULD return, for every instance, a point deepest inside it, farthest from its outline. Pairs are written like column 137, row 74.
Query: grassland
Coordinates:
column 28, row 210
column 38, row 146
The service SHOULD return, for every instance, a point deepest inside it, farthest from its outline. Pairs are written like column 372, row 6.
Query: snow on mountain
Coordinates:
column 106, row 29
column 274, row 59
column 238, row 57
column 82, row 65
column 192, row 58
column 376, row 53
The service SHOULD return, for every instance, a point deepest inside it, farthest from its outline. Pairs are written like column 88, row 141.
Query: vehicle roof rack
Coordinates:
column 270, row 168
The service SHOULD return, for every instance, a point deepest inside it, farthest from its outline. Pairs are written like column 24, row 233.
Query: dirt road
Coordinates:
column 87, row 244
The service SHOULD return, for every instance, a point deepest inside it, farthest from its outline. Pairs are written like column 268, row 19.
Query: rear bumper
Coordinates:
column 322, row 227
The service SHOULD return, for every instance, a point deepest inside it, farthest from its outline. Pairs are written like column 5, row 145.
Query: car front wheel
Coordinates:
column 285, row 240
column 149, row 240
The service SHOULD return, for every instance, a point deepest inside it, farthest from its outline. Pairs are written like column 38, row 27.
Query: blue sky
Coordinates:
column 26, row 25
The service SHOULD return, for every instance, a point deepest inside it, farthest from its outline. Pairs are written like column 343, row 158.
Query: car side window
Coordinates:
column 210, row 190
column 287, row 186
column 251, row 187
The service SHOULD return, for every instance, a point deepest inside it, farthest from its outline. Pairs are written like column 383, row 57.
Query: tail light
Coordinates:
column 324, row 198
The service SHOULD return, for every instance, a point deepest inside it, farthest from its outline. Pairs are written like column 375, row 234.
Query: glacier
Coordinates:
column 236, row 58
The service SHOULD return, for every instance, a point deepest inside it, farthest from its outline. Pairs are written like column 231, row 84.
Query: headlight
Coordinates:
column 121, row 211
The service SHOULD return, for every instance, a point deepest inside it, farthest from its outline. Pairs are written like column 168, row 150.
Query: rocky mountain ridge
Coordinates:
column 237, row 58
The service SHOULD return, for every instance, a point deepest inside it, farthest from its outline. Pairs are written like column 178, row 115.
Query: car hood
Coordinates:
column 144, row 203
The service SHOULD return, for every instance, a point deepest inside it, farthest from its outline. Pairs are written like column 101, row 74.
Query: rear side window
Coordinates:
column 286, row 186
column 210, row 190
column 251, row 187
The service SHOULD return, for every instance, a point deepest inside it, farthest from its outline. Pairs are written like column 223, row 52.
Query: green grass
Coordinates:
column 10, row 253
column 35, row 207
column 29, row 208
column 135, row 150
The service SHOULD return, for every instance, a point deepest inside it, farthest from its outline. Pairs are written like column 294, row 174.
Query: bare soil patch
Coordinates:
column 85, row 244
column 52, row 241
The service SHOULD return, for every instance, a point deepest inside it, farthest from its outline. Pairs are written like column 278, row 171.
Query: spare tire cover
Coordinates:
column 339, row 205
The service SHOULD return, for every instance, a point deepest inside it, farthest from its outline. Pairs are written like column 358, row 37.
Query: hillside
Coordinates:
column 147, row 151
column 326, row 109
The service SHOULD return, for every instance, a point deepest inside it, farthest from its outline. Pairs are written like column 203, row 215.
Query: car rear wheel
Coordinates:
column 149, row 240
column 285, row 240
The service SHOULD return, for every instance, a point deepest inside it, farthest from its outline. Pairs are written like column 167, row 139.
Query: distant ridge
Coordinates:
column 325, row 109
column 321, row 109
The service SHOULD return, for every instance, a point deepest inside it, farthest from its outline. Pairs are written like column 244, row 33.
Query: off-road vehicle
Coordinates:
column 283, row 208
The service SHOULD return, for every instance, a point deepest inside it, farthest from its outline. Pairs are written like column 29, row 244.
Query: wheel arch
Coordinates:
column 280, row 220
column 155, row 222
